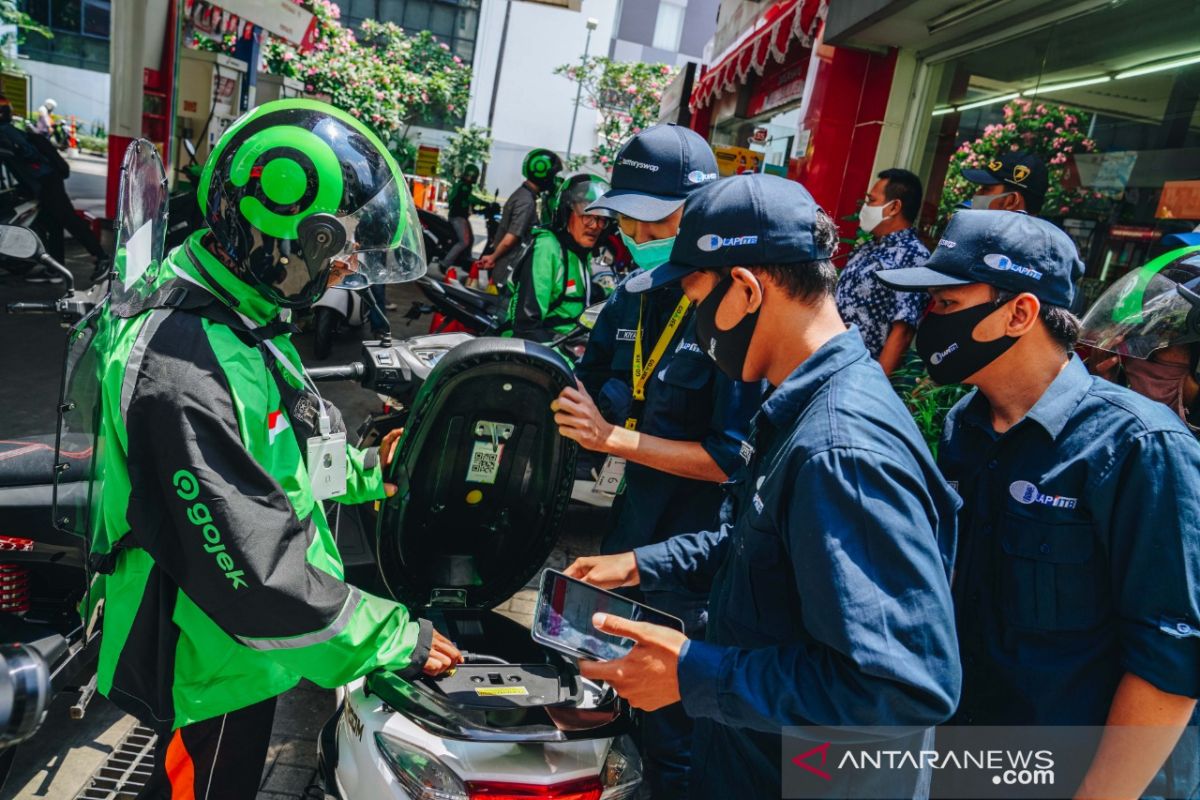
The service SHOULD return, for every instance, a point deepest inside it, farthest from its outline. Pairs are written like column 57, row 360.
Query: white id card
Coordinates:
column 612, row 476
column 327, row 465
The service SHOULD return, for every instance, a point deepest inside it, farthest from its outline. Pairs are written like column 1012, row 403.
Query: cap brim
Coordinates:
column 981, row 176
column 912, row 278
column 638, row 205
column 659, row 276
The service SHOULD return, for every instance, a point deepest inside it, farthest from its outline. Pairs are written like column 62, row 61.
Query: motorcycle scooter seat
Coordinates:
column 29, row 461
column 483, row 479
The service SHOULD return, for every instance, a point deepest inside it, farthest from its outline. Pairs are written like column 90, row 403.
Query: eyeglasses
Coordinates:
column 593, row 222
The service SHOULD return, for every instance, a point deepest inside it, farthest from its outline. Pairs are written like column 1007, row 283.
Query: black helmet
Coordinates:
column 542, row 166
column 294, row 187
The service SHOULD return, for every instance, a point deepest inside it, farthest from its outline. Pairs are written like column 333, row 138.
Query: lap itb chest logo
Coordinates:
column 1028, row 494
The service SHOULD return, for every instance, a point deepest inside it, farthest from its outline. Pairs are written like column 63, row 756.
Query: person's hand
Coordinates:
column 488, row 261
column 442, row 656
column 606, row 572
column 649, row 676
column 387, row 451
column 578, row 419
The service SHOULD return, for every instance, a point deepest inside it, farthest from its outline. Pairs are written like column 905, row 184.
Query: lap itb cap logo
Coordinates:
column 1005, row 264
column 1027, row 494
column 700, row 176
column 710, row 242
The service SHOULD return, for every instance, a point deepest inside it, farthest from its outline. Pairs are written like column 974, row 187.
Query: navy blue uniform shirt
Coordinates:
column 687, row 399
column 1079, row 556
column 830, row 600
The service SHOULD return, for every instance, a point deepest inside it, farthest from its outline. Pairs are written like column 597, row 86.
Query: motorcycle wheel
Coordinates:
column 325, row 322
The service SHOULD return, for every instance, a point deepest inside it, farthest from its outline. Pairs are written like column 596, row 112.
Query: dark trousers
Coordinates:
column 55, row 212
column 217, row 759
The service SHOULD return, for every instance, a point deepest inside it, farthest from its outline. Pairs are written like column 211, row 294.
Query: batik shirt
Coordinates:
column 867, row 303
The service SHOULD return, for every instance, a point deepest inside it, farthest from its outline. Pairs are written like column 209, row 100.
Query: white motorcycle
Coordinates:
column 483, row 481
column 339, row 307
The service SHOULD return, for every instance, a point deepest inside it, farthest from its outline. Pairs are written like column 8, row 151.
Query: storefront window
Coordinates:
column 1109, row 100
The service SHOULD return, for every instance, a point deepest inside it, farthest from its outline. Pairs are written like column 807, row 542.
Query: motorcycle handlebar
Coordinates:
column 347, row 372
column 31, row 308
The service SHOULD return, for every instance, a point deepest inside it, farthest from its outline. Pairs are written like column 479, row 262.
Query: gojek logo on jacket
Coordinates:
column 188, row 489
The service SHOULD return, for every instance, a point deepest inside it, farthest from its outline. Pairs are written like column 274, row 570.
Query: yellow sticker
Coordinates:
column 473, row 497
column 491, row 691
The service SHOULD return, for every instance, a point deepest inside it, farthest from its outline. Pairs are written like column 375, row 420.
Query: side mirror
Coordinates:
column 19, row 244
column 190, row 146
column 589, row 316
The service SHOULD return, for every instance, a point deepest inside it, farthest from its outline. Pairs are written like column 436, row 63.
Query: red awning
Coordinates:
column 786, row 22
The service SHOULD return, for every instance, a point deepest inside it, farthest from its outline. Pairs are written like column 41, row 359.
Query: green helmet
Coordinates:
column 576, row 194
column 295, row 187
column 542, row 166
column 470, row 171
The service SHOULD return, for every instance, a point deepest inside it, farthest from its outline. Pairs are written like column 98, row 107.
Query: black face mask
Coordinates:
column 945, row 344
column 727, row 348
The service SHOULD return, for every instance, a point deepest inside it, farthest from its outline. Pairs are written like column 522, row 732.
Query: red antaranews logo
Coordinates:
column 802, row 759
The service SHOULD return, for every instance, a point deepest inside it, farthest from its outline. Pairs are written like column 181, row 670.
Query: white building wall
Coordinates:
column 81, row 92
column 534, row 106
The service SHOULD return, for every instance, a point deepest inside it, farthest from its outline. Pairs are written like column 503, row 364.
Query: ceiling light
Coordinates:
column 1179, row 62
column 938, row 112
column 961, row 13
column 980, row 103
column 1060, row 87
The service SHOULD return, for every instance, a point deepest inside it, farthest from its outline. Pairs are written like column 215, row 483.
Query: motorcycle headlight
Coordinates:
column 622, row 771
column 422, row 774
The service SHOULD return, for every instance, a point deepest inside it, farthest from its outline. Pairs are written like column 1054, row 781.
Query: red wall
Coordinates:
column 845, row 118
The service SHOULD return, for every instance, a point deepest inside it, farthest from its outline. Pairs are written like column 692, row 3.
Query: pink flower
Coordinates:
column 1049, row 126
column 457, row 60
column 356, row 112
column 631, row 90
column 308, row 87
column 443, row 46
column 1041, row 109
column 288, row 55
column 1063, row 209
column 665, row 70
column 376, row 118
column 603, row 159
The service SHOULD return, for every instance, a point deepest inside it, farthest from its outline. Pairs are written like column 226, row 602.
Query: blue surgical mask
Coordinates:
column 649, row 255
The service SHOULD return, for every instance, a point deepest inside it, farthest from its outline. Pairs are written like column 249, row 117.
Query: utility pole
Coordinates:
column 592, row 24
column 496, row 82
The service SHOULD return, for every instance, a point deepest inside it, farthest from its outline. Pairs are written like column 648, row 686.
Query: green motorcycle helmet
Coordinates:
column 542, row 167
column 295, row 188
column 576, row 194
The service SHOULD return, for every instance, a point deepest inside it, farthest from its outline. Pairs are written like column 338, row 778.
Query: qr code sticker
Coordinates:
column 485, row 463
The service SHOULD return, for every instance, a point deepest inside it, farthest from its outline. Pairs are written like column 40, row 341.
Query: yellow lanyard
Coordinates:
column 643, row 371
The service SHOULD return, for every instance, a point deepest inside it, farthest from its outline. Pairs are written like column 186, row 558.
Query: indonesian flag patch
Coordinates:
column 277, row 423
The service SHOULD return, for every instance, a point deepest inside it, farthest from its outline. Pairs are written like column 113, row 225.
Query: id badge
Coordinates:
column 611, row 479
column 327, row 465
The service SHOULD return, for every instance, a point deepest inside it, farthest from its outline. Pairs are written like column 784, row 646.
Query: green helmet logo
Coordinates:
column 541, row 165
column 292, row 161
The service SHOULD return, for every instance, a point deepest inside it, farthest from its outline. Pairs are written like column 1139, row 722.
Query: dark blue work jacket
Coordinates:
column 687, row 399
column 1079, row 559
column 830, row 602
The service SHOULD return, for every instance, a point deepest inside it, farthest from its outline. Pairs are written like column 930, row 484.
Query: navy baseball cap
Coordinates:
column 1024, row 172
column 1015, row 252
column 736, row 222
column 656, row 170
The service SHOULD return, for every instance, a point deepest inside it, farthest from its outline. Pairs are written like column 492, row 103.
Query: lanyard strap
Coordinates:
column 642, row 370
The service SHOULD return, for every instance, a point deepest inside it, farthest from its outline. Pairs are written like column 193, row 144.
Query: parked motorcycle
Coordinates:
column 44, row 580
column 484, row 478
column 338, row 308
column 18, row 206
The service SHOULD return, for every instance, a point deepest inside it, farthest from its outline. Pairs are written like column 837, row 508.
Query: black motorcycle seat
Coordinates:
column 481, row 301
column 29, row 461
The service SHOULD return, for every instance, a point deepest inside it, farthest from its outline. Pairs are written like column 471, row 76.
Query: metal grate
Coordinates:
column 126, row 771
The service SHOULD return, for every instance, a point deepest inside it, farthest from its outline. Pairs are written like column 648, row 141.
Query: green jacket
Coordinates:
column 226, row 585
column 553, row 287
